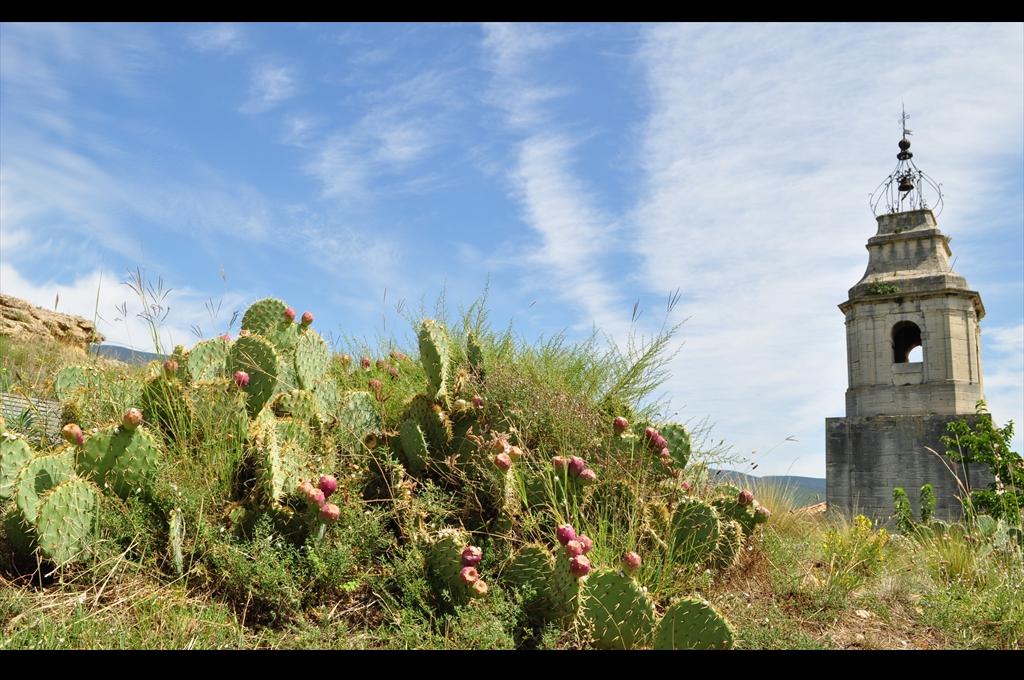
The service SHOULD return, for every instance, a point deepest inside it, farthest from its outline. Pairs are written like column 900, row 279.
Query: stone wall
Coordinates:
column 866, row 457
column 21, row 319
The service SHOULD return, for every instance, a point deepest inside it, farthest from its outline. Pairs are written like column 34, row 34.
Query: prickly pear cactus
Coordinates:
column 475, row 354
column 444, row 563
column 730, row 545
column 530, row 574
column 208, row 360
column 67, row 516
column 258, row 358
column 311, row 359
column 617, row 611
column 434, row 422
column 279, row 456
column 14, row 455
column 564, row 593
column 37, row 477
column 434, row 354
column 414, row 446
column 678, row 439
column 124, row 460
column 694, row 624
column 73, row 379
column 263, row 315
column 298, row 404
column 327, row 395
column 695, row 531
column 358, row 417
column 20, row 534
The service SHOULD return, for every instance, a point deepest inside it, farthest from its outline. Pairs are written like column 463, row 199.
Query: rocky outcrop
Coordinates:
column 21, row 319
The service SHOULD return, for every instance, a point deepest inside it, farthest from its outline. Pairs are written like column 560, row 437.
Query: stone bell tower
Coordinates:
column 901, row 397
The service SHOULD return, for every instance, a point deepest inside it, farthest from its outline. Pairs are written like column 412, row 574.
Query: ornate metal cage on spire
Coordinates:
column 907, row 187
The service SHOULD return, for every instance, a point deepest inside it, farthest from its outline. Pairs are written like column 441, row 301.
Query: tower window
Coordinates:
column 905, row 337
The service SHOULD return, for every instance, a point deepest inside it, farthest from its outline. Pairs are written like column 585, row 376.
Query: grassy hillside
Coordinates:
column 465, row 449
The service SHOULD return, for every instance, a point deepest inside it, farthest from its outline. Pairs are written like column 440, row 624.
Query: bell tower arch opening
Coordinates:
column 905, row 337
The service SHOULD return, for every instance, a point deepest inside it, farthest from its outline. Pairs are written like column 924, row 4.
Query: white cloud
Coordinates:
column 270, row 85
column 225, row 38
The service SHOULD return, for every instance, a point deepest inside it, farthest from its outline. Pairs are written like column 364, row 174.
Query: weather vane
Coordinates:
column 904, row 189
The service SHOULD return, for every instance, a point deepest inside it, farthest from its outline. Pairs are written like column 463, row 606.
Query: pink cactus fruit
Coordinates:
column 478, row 589
column 72, row 433
column 631, row 561
column 515, row 453
column 686, row 487
column 305, row 488
column 559, row 463
column 588, row 477
column 585, row 541
column 346, row 359
column 377, row 387
column 329, row 513
column 659, row 443
column 381, row 363
column 565, row 533
column 307, row 318
column 393, row 371
column 469, row 575
column 665, row 456
column 761, row 514
column 478, row 402
column 398, row 356
column 328, row 484
column 289, row 314
column 620, row 425
column 745, row 498
column 499, row 446
column 471, row 556
column 132, row 419
column 316, row 497
column 241, row 378
column 365, row 362
column 576, row 466
column 573, row 548
column 170, row 367
column 650, row 434
column 579, row 566
column 503, row 461
column 244, row 333
column 226, row 337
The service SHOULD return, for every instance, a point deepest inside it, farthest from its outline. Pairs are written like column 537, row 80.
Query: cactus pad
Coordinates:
column 176, row 540
column 208, row 360
column 311, row 359
column 730, row 545
column 475, row 354
column 124, row 460
column 37, row 477
column 358, row 417
column 71, row 379
column 20, row 533
column 432, row 420
column 258, row 358
column 434, row 357
column 694, row 624
column 14, row 455
column 414, row 445
column 618, row 611
column 444, row 563
column 299, row 404
column 678, row 443
column 530, row 573
column 327, row 395
column 564, row 592
column 263, row 314
column 695, row 531
column 67, row 514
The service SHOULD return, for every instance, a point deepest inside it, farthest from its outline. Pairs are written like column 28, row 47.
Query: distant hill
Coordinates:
column 123, row 354
column 806, row 490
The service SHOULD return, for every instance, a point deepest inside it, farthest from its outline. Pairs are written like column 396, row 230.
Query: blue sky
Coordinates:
column 582, row 168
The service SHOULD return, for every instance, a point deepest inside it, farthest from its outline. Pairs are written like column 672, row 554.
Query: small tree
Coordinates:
column 989, row 445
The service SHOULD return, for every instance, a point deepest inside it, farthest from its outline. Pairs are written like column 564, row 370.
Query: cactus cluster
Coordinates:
column 52, row 500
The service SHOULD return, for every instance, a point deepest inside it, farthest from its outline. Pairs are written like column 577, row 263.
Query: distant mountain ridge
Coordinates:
column 806, row 490
column 124, row 354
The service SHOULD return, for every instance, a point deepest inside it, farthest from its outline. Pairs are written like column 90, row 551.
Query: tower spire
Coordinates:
column 905, row 187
